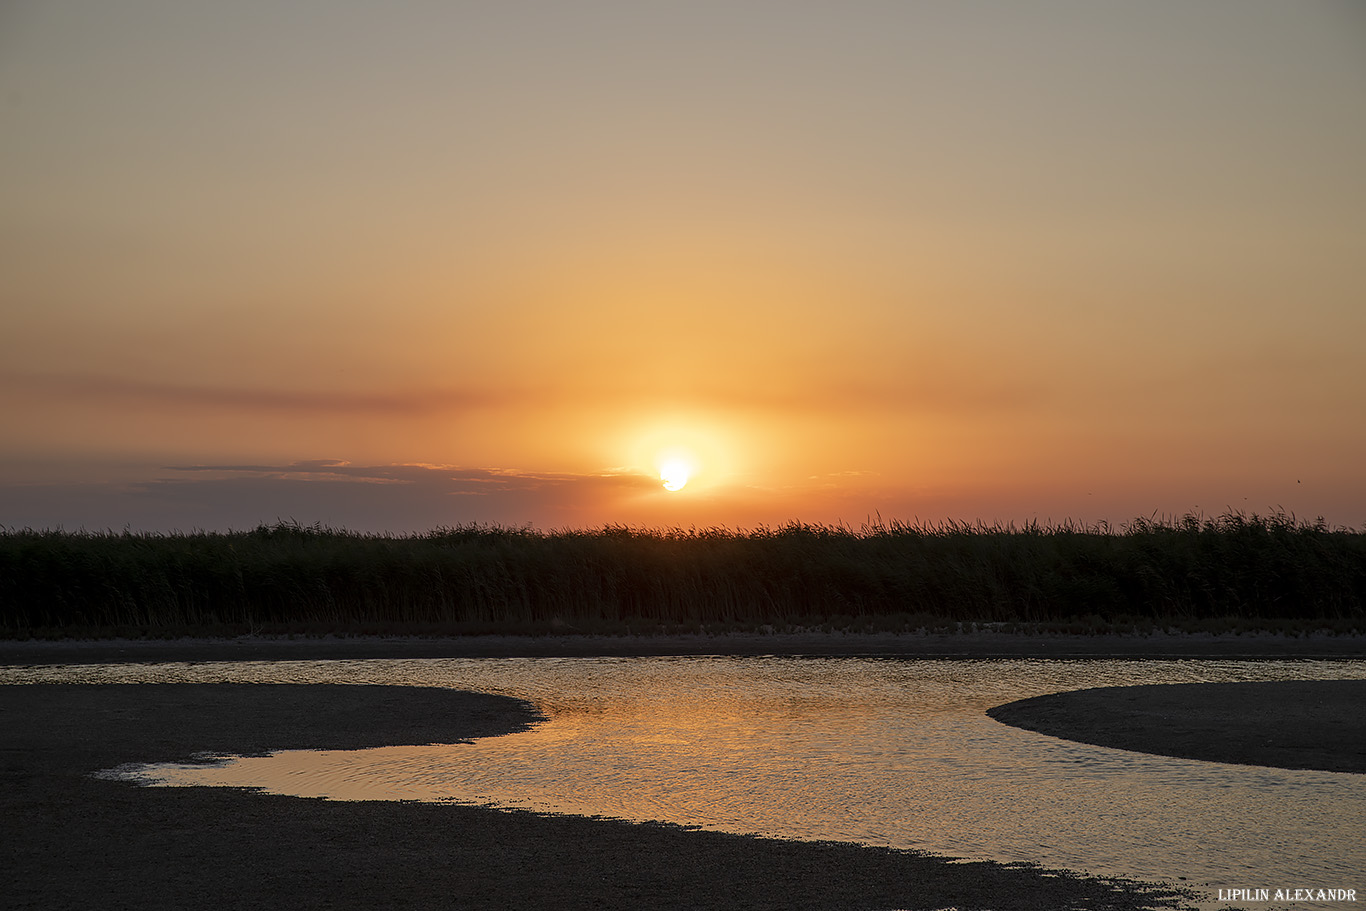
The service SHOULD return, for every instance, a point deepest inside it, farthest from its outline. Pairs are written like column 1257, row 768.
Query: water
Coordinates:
column 879, row 751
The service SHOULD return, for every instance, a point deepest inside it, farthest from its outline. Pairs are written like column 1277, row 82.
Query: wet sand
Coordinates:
column 72, row 841
column 1297, row 724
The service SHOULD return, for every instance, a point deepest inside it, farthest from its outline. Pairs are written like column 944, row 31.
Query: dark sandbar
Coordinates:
column 71, row 841
column 1301, row 724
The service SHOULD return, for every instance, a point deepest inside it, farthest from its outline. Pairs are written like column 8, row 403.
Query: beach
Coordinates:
column 77, row 841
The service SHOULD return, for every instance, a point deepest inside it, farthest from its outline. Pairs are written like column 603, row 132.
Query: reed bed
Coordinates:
column 1233, row 571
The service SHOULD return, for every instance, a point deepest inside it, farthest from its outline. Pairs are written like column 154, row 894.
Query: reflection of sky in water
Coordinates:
column 888, row 752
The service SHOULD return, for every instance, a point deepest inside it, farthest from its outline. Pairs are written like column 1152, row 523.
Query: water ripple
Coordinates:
column 879, row 751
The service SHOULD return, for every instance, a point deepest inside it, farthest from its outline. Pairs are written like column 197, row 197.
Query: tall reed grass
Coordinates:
column 288, row 577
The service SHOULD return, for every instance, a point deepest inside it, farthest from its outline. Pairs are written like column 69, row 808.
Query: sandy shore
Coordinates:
column 932, row 645
column 77, row 842
column 1299, row 724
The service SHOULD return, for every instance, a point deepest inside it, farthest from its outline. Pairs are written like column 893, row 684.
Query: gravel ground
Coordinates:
column 72, row 841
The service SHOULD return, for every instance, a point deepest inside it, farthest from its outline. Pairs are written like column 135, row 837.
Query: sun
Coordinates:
column 688, row 455
column 674, row 473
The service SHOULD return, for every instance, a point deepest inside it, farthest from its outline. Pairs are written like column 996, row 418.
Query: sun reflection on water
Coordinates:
column 886, row 752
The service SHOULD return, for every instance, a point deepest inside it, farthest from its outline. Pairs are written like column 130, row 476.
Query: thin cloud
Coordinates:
column 93, row 388
column 376, row 498
column 916, row 393
column 452, row 479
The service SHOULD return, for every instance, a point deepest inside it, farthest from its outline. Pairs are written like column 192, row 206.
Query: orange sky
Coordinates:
column 392, row 266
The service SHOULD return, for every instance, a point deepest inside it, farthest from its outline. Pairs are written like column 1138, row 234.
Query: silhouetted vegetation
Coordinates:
column 1232, row 571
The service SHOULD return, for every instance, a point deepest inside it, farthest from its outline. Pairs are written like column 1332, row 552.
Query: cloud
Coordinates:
column 159, row 394
column 920, row 391
column 394, row 498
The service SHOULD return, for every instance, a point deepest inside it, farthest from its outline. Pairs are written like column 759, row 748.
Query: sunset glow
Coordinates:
column 674, row 473
column 516, row 265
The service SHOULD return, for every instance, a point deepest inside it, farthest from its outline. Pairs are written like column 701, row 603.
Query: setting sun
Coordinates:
column 695, row 451
column 674, row 473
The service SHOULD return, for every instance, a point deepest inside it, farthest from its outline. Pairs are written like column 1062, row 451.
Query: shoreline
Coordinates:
column 90, row 842
column 981, row 644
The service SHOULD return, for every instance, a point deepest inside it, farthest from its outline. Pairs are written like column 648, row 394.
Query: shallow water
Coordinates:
column 881, row 751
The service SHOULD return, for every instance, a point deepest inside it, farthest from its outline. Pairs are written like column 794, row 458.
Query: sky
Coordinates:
column 404, row 265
